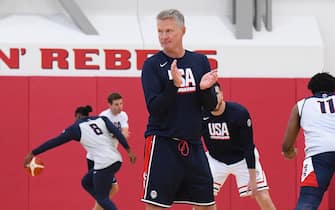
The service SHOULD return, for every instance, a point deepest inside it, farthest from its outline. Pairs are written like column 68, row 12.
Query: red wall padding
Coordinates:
column 35, row 109
column 14, row 143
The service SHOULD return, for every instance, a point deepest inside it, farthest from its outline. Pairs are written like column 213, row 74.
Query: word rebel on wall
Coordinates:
column 87, row 59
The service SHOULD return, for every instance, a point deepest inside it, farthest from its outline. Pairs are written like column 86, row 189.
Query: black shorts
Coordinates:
column 90, row 166
column 176, row 172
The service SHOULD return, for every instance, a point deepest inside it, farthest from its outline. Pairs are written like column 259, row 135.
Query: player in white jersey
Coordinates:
column 116, row 114
column 119, row 118
column 96, row 136
column 316, row 116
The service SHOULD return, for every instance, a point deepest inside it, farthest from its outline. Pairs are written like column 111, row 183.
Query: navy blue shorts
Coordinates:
column 318, row 171
column 90, row 165
column 176, row 172
column 98, row 184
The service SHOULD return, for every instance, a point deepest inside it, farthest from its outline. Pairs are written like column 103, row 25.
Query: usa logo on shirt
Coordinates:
column 218, row 131
column 188, row 82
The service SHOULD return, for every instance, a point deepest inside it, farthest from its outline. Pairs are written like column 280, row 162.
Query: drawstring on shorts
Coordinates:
column 183, row 148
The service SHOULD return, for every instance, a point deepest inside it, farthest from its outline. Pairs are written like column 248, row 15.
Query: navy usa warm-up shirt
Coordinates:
column 229, row 136
column 176, row 112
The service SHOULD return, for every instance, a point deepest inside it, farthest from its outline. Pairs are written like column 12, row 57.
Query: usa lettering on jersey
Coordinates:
column 188, row 82
column 117, row 124
column 218, row 131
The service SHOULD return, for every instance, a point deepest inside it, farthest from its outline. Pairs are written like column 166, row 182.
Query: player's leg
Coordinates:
column 220, row 173
column 114, row 190
column 211, row 207
column 262, row 196
column 153, row 207
column 90, row 166
column 309, row 198
column 264, row 200
column 87, row 182
column 163, row 172
column 102, row 182
column 197, row 186
column 316, row 175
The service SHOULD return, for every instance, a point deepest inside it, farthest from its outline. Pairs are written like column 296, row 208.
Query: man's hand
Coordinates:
column 252, row 184
column 209, row 79
column 176, row 75
column 27, row 159
column 252, row 187
column 132, row 156
column 290, row 154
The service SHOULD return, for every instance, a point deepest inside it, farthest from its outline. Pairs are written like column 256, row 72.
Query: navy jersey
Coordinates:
column 229, row 136
column 176, row 112
column 96, row 136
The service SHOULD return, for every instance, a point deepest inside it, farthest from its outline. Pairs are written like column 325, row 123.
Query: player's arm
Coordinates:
column 207, row 91
column 252, row 184
column 119, row 136
column 291, row 133
column 246, row 135
column 208, row 98
column 125, row 126
column 157, row 97
column 71, row 133
column 204, row 128
column 125, row 132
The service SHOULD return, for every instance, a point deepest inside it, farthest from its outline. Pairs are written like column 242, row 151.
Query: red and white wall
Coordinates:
column 50, row 67
column 37, row 108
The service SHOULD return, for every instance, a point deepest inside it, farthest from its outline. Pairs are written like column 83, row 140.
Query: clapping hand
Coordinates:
column 209, row 79
column 176, row 75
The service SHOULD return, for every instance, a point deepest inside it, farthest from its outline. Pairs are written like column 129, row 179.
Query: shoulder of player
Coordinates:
column 318, row 95
column 195, row 55
column 88, row 119
column 105, row 112
column 123, row 114
column 105, row 119
column 236, row 107
column 156, row 58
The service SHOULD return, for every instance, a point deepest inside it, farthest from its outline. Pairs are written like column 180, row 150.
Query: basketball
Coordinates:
column 35, row 167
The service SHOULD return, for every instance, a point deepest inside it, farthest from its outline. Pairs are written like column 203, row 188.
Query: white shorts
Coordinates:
column 221, row 171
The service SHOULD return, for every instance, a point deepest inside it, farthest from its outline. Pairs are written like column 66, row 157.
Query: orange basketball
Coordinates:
column 35, row 167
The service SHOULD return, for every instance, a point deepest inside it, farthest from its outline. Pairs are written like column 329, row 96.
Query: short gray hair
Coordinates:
column 172, row 14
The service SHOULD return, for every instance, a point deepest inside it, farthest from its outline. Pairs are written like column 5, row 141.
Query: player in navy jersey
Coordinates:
column 228, row 136
column 315, row 115
column 177, row 85
column 119, row 118
column 96, row 136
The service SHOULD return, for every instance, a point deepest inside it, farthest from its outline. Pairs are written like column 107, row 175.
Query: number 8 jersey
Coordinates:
column 96, row 136
column 99, row 142
column 317, row 119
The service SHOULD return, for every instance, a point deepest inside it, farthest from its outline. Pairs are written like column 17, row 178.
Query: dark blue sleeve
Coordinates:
column 246, row 135
column 116, row 132
column 204, row 122
column 70, row 133
column 208, row 96
column 158, row 96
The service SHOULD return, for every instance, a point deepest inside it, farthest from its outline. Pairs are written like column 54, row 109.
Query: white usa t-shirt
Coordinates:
column 317, row 119
column 119, row 120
